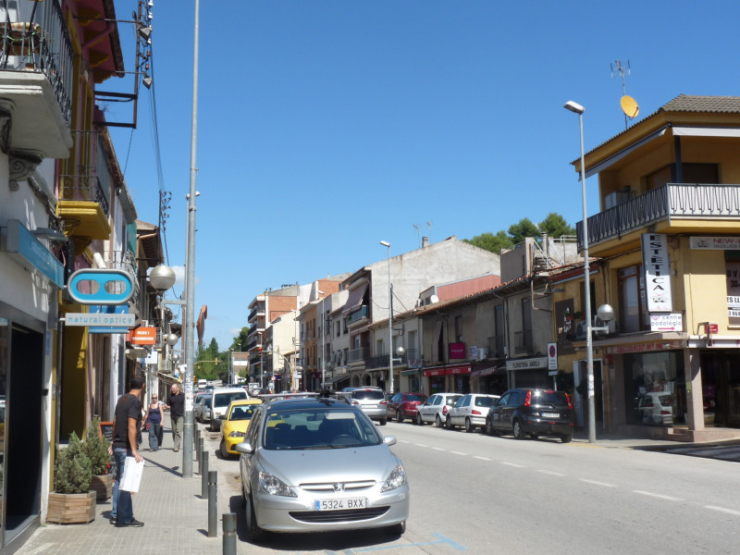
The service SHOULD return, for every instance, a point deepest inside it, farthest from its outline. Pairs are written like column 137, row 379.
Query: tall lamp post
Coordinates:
column 390, row 316
column 578, row 109
column 162, row 278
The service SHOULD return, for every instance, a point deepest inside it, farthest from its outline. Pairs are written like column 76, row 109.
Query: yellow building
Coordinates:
column 668, row 236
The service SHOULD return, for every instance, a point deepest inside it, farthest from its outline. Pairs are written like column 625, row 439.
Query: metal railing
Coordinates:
column 87, row 178
column 35, row 39
column 522, row 342
column 357, row 315
column 357, row 355
column 674, row 200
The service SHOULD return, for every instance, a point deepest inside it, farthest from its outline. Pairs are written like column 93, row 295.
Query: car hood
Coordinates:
column 235, row 425
column 347, row 464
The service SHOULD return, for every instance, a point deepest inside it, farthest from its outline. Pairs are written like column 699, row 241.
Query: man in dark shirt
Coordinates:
column 126, row 424
column 176, row 406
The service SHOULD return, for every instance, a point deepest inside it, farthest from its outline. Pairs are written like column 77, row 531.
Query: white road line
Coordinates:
column 657, row 495
column 481, row 458
column 722, row 510
column 421, row 445
column 595, row 483
column 459, row 453
column 404, row 441
column 512, row 464
column 551, row 473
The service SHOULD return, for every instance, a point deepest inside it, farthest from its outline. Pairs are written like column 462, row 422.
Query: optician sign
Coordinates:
column 657, row 267
column 100, row 319
column 100, row 286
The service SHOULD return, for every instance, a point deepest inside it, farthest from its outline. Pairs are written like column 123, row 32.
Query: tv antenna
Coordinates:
column 418, row 233
column 429, row 225
column 628, row 104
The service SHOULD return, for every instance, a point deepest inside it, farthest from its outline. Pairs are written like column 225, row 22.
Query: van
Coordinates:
column 221, row 398
column 202, row 384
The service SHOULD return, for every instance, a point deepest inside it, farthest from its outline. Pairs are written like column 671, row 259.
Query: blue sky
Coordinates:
column 327, row 126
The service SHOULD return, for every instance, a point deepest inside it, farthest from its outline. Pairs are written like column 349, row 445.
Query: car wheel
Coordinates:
column 255, row 534
column 397, row 530
column 384, row 422
column 534, row 436
column 468, row 425
column 399, row 416
column 518, row 432
column 448, row 423
column 222, row 448
column 438, row 421
column 244, row 497
column 567, row 438
column 419, row 421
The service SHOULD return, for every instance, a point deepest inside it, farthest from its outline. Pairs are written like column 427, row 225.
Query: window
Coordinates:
column 707, row 174
column 633, row 316
column 379, row 347
column 458, row 328
column 498, row 347
column 337, row 328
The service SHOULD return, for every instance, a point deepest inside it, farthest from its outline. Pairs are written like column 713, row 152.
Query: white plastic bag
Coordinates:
column 132, row 472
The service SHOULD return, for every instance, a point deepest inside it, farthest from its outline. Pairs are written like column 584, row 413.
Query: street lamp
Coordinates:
column 578, row 109
column 390, row 316
column 161, row 278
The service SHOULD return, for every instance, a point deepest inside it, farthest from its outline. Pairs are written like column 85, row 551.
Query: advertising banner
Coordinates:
column 657, row 268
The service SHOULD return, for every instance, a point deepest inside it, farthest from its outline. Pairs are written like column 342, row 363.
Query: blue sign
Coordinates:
column 106, row 287
column 21, row 245
column 108, row 309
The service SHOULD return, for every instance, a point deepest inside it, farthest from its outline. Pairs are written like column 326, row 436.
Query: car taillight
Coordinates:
column 528, row 399
column 444, row 410
column 665, row 412
column 570, row 404
column 476, row 412
column 355, row 402
column 383, row 402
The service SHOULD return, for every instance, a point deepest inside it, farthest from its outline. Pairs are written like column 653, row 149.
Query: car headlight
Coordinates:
column 237, row 433
column 395, row 480
column 274, row 485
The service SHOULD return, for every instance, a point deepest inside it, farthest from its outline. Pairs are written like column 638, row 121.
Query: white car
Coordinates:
column 470, row 411
column 435, row 409
column 656, row 407
column 221, row 398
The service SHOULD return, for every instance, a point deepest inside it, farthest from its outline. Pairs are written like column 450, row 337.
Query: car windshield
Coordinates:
column 319, row 428
column 241, row 412
column 368, row 394
column 413, row 397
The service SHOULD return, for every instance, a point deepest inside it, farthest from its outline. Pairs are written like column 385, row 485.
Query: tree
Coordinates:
column 491, row 242
column 240, row 341
column 523, row 228
column 555, row 225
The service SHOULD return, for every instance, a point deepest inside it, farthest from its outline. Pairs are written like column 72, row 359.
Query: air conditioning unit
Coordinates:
column 482, row 353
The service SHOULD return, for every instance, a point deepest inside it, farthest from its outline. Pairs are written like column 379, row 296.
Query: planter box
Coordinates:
column 102, row 484
column 71, row 508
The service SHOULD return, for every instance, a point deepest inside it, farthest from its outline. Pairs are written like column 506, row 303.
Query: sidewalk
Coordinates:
column 175, row 517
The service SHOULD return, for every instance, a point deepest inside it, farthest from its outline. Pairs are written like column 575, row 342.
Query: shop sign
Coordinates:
column 715, row 243
column 733, row 291
column 24, row 248
column 457, row 351
column 435, row 372
column 111, row 287
column 79, row 319
column 526, row 364
column 458, row 370
column 143, row 336
column 645, row 347
column 666, row 321
column 657, row 267
column 109, row 310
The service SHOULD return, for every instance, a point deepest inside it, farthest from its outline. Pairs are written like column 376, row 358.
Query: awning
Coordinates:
column 443, row 370
column 354, row 300
column 684, row 131
column 601, row 166
column 483, row 373
column 410, row 372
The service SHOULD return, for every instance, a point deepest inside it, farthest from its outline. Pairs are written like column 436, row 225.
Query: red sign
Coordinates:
column 646, row 347
column 435, row 372
column 459, row 369
column 143, row 336
column 712, row 327
column 457, row 350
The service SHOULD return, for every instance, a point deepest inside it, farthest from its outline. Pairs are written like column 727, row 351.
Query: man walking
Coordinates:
column 176, row 406
column 126, row 424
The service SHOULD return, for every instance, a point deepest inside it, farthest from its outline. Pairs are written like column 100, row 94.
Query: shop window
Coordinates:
column 632, row 314
column 656, row 387
column 458, row 329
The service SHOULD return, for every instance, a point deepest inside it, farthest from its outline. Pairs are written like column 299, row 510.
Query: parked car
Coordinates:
column 371, row 401
column 234, row 425
column 202, row 408
column 470, row 411
column 221, row 398
column 317, row 465
column 435, row 408
column 405, row 405
column 532, row 412
column 656, row 408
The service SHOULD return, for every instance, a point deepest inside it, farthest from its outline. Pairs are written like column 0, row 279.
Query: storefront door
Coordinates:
column 720, row 376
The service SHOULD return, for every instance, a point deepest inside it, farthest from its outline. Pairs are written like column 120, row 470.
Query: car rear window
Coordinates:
column 225, row 399
column 452, row 399
column 421, row 398
column 484, row 401
column 554, row 398
column 368, row 394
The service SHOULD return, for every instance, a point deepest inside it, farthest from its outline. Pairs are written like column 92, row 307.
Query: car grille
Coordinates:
column 339, row 516
column 330, row 486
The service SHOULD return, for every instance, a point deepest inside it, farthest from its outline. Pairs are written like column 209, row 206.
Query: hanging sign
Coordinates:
column 100, row 286
column 657, row 268
column 100, row 319
column 143, row 336
column 666, row 321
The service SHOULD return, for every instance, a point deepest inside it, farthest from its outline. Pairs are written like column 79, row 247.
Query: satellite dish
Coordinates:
column 434, row 299
column 629, row 106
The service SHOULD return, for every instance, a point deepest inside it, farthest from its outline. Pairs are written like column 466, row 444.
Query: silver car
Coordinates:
column 471, row 411
column 321, row 465
column 202, row 408
column 435, row 408
column 372, row 402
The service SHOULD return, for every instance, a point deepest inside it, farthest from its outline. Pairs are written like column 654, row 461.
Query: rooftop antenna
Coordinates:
column 429, row 225
column 628, row 104
column 418, row 233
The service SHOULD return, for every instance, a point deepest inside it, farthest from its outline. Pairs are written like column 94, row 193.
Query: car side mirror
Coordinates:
column 244, row 447
column 222, row 417
column 389, row 440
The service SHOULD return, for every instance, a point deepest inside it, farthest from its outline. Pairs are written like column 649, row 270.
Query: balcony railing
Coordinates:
column 88, row 179
column 674, row 200
column 35, row 39
column 260, row 311
column 357, row 315
column 523, row 342
column 358, row 355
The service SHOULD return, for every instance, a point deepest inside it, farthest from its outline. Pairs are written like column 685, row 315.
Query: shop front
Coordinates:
column 528, row 372
column 452, row 379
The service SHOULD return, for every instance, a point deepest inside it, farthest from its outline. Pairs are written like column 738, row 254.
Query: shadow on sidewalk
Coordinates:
column 172, row 470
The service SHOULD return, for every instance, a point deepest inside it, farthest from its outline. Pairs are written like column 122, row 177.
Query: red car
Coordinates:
column 405, row 405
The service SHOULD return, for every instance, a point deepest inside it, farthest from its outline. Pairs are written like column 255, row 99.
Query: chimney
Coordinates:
column 424, row 242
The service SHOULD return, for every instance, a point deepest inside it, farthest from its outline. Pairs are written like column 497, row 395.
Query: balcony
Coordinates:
column 382, row 361
column 523, row 342
column 259, row 311
column 358, row 355
column 36, row 79
column 359, row 315
column 674, row 201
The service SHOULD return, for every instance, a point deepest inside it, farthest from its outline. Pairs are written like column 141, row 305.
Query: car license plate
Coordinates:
column 371, row 406
column 341, row 504
column 551, row 415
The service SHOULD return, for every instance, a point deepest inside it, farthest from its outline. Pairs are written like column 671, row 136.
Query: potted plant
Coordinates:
column 72, row 501
column 96, row 448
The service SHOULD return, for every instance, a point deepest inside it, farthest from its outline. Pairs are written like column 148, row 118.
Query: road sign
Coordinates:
column 552, row 356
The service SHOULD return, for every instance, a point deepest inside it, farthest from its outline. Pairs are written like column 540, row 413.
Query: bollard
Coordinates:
column 196, row 438
column 204, row 475
column 229, row 531
column 212, row 504
column 200, row 449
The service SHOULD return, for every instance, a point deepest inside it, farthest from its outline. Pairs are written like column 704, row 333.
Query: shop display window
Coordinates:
column 657, row 386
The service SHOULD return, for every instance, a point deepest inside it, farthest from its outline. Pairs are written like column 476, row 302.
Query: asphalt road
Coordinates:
column 485, row 495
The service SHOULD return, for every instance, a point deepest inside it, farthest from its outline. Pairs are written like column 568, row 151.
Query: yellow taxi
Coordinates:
column 234, row 425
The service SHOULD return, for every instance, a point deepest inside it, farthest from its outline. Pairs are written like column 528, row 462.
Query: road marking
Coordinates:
column 512, row 464
column 440, row 540
column 722, row 510
column 421, row 445
column 657, row 495
column 438, row 449
column 551, row 473
column 404, row 441
column 595, row 483
column 481, row 458
column 459, row 453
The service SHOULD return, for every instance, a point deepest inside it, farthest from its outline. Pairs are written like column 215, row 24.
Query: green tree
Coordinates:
column 491, row 242
column 555, row 225
column 523, row 228
column 240, row 341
